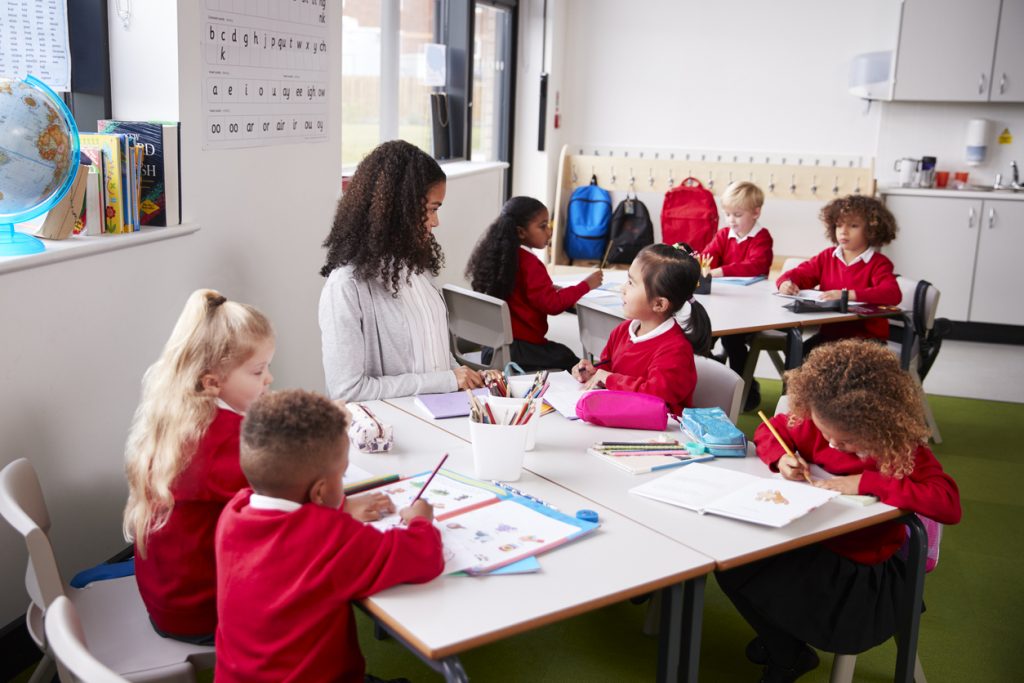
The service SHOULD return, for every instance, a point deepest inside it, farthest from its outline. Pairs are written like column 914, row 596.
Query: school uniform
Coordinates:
column 287, row 574
column 177, row 578
column 659, row 363
column 747, row 256
column 871, row 277
column 534, row 297
column 841, row 595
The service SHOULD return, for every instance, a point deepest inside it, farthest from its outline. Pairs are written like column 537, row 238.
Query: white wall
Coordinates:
column 79, row 334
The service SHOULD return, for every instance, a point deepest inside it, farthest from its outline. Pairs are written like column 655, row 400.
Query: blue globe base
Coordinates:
column 13, row 243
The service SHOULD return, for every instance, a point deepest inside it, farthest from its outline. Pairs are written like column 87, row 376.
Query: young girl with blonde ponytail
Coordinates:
column 182, row 457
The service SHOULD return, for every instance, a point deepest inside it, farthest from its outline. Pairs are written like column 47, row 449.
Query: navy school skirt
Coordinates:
column 823, row 599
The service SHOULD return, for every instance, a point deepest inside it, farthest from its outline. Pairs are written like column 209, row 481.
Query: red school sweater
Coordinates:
column 662, row 366
column 534, row 297
column 177, row 579
column 927, row 490
column 286, row 580
column 749, row 258
column 872, row 282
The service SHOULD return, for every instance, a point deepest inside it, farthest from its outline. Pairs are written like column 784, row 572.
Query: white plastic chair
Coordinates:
column 479, row 319
column 771, row 341
column 717, row 385
column 112, row 613
column 912, row 357
column 67, row 642
column 595, row 328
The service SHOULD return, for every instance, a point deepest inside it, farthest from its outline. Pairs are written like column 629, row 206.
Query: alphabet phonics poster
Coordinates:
column 265, row 72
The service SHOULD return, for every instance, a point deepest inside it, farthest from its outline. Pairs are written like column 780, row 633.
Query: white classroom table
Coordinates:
column 560, row 457
column 623, row 559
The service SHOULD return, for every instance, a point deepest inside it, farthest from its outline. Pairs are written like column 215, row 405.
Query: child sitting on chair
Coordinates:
column 290, row 561
column 857, row 415
column 741, row 249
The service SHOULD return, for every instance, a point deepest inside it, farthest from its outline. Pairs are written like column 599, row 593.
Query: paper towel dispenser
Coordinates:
column 871, row 75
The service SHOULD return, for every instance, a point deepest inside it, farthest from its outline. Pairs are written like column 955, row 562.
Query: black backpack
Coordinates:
column 631, row 230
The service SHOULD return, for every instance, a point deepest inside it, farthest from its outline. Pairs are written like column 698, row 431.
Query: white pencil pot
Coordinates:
column 498, row 450
column 518, row 385
column 505, row 408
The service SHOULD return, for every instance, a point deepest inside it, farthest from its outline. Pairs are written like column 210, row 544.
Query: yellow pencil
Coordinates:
column 782, row 443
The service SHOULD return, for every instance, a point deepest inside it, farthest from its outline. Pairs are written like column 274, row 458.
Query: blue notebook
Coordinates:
column 742, row 281
column 454, row 404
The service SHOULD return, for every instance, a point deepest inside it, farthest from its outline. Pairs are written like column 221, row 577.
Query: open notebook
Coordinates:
column 716, row 490
column 483, row 527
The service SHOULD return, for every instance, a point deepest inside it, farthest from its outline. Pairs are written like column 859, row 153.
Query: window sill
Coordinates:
column 86, row 245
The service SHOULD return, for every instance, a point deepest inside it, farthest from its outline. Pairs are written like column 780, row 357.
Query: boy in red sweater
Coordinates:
column 290, row 560
column 856, row 414
column 741, row 249
column 858, row 226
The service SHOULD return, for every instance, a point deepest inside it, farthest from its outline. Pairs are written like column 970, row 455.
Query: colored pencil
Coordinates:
column 429, row 479
column 782, row 443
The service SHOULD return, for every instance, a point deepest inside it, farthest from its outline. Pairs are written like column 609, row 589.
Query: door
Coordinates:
column 1008, row 73
column 946, row 49
column 996, row 297
column 937, row 241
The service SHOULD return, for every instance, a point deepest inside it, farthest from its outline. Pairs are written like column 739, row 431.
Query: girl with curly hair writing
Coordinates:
column 503, row 265
column 383, row 324
column 857, row 226
column 857, row 415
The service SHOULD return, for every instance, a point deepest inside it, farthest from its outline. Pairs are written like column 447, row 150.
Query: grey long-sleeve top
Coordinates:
column 377, row 346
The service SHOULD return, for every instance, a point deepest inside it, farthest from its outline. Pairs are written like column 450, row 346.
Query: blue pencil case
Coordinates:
column 713, row 428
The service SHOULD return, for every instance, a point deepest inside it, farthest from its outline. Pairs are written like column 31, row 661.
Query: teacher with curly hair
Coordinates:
column 383, row 323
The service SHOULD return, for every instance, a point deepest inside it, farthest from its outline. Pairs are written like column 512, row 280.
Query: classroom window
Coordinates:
column 492, row 52
column 386, row 92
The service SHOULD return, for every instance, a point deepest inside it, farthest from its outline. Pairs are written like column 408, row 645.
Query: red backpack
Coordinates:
column 689, row 215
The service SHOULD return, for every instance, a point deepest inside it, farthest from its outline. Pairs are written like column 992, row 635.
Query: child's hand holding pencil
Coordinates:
column 791, row 465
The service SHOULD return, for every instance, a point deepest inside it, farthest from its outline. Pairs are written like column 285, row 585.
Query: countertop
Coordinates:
column 973, row 193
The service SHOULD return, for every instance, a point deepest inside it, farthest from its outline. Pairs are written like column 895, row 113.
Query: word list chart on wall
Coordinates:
column 34, row 41
column 265, row 69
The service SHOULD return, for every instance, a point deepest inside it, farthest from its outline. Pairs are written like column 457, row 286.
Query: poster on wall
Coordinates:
column 34, row 41
column 265, row 70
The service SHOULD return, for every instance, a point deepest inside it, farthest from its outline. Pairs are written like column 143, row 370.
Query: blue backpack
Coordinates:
column 589, row 217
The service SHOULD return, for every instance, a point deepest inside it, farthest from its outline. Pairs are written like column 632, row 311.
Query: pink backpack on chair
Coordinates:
column 934, row 532
column 689, row 215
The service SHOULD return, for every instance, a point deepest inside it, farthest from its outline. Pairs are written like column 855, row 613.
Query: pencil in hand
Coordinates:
column 800, row 461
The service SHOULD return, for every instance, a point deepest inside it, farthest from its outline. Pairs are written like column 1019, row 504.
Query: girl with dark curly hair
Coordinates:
column 650, row 353
column 383, row 324
column 502, row 265
column 857, row 225
column 857, row 415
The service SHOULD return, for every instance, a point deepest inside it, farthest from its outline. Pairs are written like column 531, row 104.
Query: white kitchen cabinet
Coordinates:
column 937, row 240
column 956, row 51
column 1008, row 72
column 971, row 249
column 996, row 297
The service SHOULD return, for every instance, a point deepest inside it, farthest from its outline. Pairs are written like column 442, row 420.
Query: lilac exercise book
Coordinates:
column 454, row 404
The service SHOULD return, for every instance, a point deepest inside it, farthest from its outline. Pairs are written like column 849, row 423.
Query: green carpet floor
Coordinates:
column 969, row 633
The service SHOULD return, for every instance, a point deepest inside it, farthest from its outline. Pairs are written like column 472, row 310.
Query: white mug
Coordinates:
column 907, row 167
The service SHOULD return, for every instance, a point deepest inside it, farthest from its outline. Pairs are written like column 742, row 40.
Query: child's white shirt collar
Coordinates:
column 260, row 502
column 225, row 406
column 634, row 325
column 753, row 231
column 864, row 256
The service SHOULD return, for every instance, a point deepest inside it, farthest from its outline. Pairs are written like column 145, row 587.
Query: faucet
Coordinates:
column 1015, row 183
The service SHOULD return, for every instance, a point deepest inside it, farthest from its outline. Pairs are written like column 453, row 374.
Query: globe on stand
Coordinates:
column 38, row 158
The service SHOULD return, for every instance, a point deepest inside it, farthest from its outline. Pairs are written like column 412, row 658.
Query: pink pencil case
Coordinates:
column 623, row 409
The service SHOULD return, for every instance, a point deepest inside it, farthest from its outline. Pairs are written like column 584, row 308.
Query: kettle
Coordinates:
column 907, row 167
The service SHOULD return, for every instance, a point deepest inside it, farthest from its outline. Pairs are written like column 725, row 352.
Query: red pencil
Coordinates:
column 429, row 479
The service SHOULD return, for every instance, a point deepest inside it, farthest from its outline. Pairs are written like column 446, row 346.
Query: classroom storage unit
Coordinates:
column 956, row 51
column 967, row 246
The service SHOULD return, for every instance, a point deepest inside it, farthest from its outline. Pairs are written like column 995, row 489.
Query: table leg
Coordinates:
column 670, row 633
column 794, row 347
column 449, row 667
column 910, row 621
column 693, row 610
